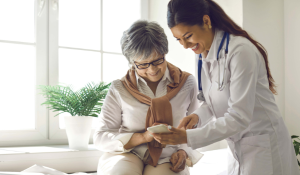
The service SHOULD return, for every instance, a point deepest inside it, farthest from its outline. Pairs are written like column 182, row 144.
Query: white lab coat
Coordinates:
column 244, row 113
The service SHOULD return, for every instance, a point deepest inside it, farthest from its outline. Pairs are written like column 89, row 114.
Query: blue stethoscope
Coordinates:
column 221, row 85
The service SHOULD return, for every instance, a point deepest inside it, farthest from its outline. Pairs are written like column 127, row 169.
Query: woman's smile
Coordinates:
column 154, row 73
column 195, row 48
column 196, row 38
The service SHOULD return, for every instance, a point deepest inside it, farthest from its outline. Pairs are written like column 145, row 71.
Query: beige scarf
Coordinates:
column 160, row 109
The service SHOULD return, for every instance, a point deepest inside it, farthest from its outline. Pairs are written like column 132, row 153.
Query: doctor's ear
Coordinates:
column 207, row 22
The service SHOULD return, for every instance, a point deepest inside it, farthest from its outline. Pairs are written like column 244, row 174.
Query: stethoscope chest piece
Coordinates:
column 200, row 96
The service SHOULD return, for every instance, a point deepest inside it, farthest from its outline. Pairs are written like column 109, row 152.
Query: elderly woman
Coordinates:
column 153, row 92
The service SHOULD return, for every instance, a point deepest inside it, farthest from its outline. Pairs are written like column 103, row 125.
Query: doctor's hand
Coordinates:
column 177, row 136
column 189, row 122
column 178, row 160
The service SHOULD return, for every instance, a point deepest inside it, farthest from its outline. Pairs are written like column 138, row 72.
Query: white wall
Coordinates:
column 276, row 24
column 292, row 65
column 264, row 21
column 234, row 9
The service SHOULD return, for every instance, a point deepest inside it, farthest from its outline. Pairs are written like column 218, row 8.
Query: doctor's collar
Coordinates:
column 212, row 54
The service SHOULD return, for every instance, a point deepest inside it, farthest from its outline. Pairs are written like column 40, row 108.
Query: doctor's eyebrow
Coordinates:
column 182, row 35
column 185, row 34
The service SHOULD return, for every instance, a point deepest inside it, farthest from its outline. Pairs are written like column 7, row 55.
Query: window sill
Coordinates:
column 59, row 157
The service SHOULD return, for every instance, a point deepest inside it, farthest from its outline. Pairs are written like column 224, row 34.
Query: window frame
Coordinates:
column 40, row 133
column 47, row 130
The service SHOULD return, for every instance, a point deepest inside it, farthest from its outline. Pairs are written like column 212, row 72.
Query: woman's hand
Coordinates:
column 189, row 122
column 148, row 136
column 178, row 160
column 138, row 138
column 178, row 136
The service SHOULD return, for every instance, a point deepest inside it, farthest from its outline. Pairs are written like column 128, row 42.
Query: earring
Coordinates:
column 209, row 26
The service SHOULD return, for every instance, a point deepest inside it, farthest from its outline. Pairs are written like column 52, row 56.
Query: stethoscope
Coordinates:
column 221, row 85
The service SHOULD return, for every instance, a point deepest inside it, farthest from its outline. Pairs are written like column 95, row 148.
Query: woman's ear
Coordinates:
column 207, row 22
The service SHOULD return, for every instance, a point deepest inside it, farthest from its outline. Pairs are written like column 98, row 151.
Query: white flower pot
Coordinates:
column 78, row 130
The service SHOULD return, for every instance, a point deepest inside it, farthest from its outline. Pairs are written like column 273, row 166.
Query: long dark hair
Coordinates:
column 191, row 12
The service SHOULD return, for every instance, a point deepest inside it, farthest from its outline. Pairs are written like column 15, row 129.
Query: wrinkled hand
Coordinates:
column 189, row 122
column 177, row 136
column 178, row 160
column 147, row 136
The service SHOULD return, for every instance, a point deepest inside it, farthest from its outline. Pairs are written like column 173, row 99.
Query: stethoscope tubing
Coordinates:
column 221, row 85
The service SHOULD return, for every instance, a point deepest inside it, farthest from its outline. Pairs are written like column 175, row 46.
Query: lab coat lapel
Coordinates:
column 206, row 71
column 212, row 54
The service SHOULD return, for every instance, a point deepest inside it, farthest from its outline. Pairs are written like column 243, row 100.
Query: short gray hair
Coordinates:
column 143, row 39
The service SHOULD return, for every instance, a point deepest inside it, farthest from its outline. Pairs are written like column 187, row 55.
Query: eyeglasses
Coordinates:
column 154, row 63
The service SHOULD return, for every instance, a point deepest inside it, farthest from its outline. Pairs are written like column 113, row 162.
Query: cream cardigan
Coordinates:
column 122, row 115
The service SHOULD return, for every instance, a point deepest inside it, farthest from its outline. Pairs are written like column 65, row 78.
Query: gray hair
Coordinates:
column 142, row 40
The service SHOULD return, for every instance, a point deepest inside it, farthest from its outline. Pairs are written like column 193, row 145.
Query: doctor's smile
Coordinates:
column 195, row 47
column 197, row 38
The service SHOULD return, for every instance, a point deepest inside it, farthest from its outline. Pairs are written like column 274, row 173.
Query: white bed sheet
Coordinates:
column 212, row 163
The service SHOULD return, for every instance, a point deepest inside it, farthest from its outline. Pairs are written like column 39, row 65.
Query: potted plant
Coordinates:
column 82, row 105
column 296, row 145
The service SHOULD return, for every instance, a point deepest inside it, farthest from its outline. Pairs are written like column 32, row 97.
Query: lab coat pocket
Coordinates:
column 256, row 155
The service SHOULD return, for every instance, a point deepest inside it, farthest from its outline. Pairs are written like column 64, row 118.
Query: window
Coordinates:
column 50, row 42
column 22, row 67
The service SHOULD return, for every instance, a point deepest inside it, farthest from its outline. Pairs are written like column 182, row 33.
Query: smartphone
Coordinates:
column 159, row 129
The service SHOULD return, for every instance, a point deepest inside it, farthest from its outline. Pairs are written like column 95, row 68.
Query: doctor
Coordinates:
column 236, row 92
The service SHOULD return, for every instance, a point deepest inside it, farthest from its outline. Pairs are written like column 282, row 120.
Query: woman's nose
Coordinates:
column 152, row 68
column 185, row 44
